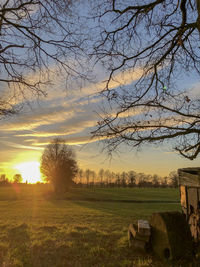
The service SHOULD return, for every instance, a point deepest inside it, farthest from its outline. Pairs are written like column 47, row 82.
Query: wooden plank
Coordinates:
column 191, row 170
column 199, row 193
column 192, row 199
column 189, row 179
column 133, row 230
column 133, row 242
column 184, row 210
column 144, row 227
column 183, row 196
column 193, row 223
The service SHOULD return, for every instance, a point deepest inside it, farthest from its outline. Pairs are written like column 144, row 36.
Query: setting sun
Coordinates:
column 30, row 171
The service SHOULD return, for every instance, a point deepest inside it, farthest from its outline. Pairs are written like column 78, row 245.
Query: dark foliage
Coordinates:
column 58, row 165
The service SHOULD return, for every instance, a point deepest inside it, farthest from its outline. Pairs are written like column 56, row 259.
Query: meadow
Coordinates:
column 86, row 227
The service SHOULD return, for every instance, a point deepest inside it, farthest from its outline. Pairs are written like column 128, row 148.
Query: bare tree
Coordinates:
column 87, row 176
column 35, row 35
column 157, row 42
column 131, row 178
column 58, row 165
column 173, row 177
column 80, row 176
column 101, row 175
column 155, row 180
column 17, row 178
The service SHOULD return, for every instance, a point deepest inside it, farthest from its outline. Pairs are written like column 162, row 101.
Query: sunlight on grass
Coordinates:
column 36, row 229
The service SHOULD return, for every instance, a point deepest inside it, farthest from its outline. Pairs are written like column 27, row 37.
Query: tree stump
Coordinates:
column 170, row 236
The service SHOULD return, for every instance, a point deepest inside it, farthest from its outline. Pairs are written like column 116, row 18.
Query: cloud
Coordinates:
column 36, row 118
column 19, row 146
column 70, row 114
column 122, row 78
column 194, row 92
column 78, row 140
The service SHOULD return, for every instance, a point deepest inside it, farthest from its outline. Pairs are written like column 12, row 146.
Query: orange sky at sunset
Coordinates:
column 71, row 114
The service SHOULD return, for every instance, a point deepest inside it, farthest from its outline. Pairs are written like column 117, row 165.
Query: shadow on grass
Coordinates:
column 80, row 247
column 92, row 198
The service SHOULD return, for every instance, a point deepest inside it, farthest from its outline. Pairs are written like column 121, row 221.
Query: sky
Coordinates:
column 72, row 114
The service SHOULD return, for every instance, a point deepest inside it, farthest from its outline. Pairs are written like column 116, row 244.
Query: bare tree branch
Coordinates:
column 35, row 35
column 161, row 38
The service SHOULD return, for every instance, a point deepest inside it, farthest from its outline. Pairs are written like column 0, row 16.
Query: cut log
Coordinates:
column 171, row 237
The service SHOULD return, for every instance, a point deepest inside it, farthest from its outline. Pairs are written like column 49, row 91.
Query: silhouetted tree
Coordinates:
column 4, row 180
column 155, row 180
column 58, row 165
column 17, row 178
column 80, row 176
column 93, row 176
column 107, row 176
column 173, row 176
column 87, row 176
column 35, row 35
column 164, row 182
column 123, row 179
column 101, row 176
column 155, row 44
column 118, row 179
column 112, row 179
column 131, row 178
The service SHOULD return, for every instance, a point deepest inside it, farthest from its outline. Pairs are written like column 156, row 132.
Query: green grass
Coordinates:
column 87, row 228
column 126, row 194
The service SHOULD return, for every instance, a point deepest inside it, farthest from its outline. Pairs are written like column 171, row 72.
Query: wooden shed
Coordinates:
column 189, row 185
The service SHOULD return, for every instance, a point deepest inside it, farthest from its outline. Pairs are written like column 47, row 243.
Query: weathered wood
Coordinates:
column 194, row 223
column 189, row 181
column 189, row 177
column 130, row 238
column 144, row 228
column 199, row 194
column 192, row 199
column 183, row 196
column 133, row 229
column 171, row 237
column 133, row 242
column 192, row 170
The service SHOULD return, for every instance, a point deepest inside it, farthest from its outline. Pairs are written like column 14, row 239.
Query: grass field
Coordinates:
column 87, row 228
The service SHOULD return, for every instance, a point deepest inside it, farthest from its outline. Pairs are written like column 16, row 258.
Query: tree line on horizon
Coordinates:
column 59, row 167
column 17, row 178
column 107, row 178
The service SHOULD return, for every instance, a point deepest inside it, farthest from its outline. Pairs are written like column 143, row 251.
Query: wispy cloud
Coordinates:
column 19, row 146
column 70, row 114
column 80, row 140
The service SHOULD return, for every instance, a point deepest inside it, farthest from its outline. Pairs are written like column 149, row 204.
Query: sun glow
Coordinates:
column 30, row 171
